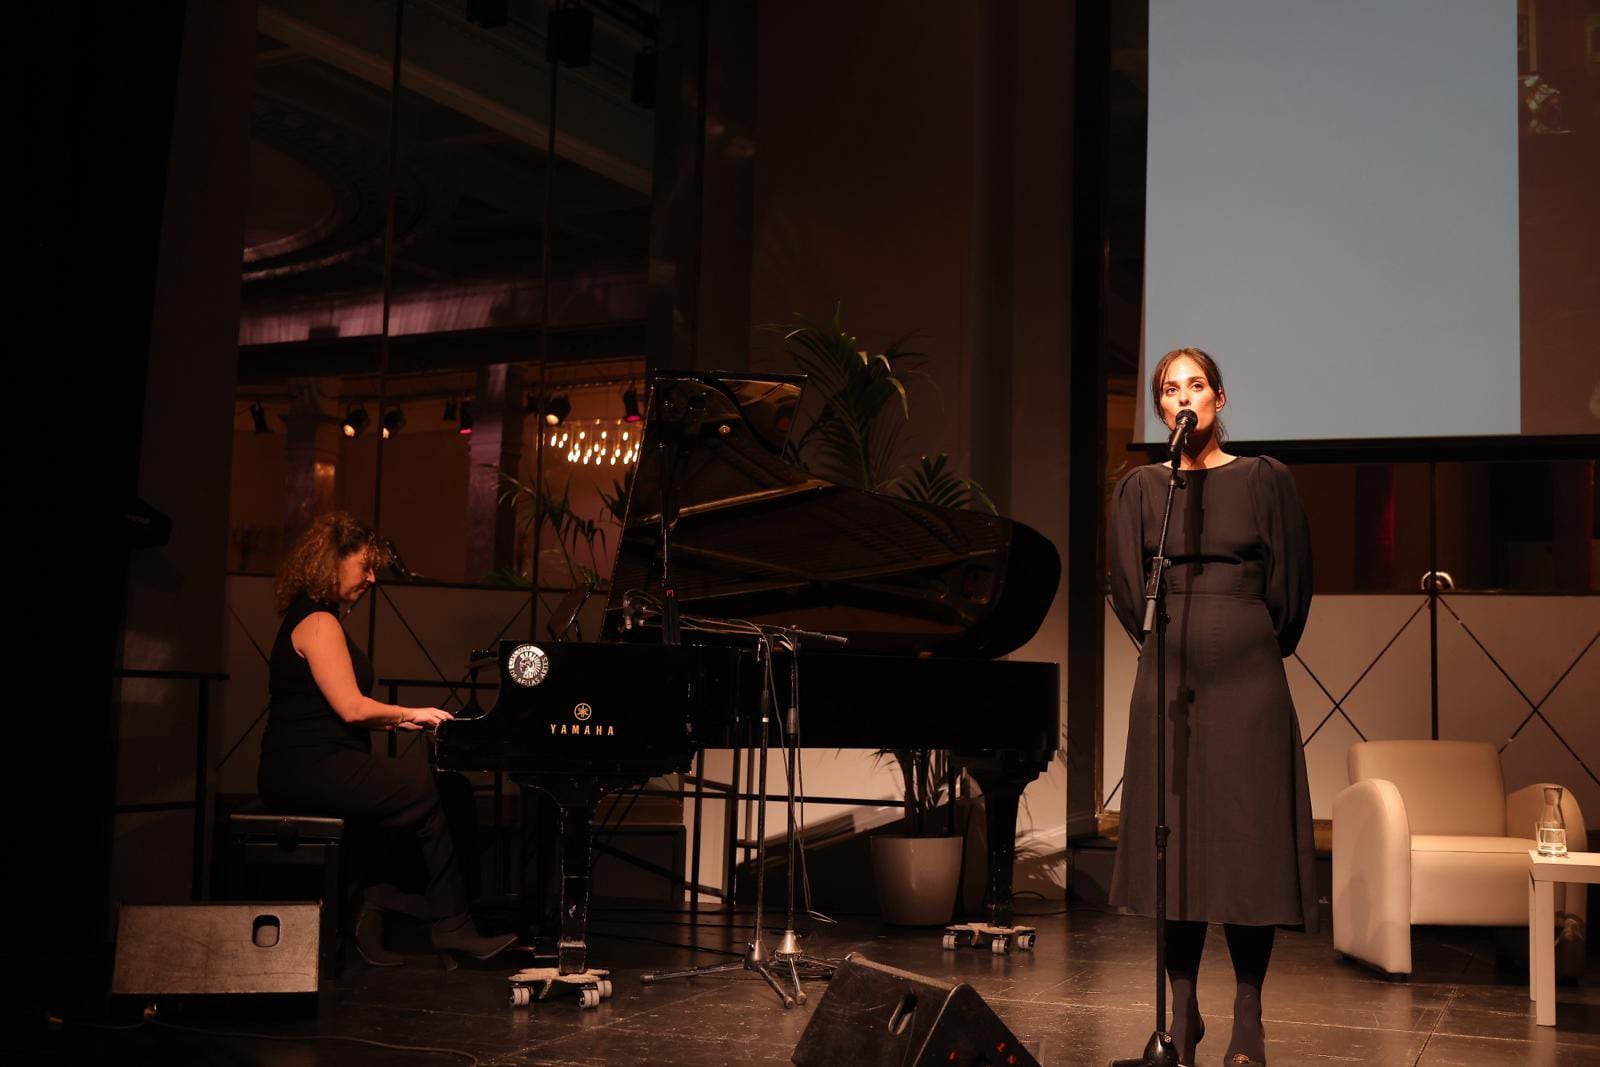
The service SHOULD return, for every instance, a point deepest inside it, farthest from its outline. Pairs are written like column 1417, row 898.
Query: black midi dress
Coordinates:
column 1238, row 593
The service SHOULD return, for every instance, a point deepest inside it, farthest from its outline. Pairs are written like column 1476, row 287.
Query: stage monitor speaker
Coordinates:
column 876, row 1014
column 216, row 949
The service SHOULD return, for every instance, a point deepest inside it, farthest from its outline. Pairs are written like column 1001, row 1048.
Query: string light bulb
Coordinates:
column 603, row 443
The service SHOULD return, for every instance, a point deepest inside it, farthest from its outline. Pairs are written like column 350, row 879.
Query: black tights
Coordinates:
column 1251, row 949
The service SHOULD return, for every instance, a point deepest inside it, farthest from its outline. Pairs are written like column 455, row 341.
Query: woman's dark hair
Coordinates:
column 1208, row 367
column 312, row 566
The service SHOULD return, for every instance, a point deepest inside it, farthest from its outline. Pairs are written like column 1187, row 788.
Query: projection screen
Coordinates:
column 1376, row 215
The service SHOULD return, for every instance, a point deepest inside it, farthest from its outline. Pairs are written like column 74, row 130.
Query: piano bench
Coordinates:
column 262, row 838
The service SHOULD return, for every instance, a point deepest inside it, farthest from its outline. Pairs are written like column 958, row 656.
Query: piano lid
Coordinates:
column 759, row 538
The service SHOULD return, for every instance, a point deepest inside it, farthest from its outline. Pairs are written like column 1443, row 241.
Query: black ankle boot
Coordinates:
column 457, row 936
column 369, row 938
column 398, row 901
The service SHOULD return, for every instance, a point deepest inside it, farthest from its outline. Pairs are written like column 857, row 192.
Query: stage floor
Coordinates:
column 1083, row 995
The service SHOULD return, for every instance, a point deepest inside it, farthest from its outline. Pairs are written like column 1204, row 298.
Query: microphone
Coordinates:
column 395, row 562
column 633, row 611
column 809, row 637
column 1181, row 428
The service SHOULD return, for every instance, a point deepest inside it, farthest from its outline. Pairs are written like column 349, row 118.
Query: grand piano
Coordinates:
column 897, row 611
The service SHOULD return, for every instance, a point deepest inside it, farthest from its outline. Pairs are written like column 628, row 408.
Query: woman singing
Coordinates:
column 317, row 756
column 1239, row 809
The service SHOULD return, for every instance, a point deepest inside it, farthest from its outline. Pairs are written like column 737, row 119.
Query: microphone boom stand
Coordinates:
column 1160, row 1051
column 756, row 957
column 789, row 951
column 674, row 440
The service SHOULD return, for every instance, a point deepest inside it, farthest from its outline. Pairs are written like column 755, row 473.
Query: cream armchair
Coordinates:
column 1425, row 834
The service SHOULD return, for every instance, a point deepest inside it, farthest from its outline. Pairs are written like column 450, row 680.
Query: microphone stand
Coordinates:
column 676, row 434
column 1160, row 1051
column 755, row 957
column 789, row 951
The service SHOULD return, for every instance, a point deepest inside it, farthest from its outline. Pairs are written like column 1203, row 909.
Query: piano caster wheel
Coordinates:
column 949, row 941
column 589, row 998
column 999, row 946
column 1025, row 942
column 605, row 989
column 521, row 996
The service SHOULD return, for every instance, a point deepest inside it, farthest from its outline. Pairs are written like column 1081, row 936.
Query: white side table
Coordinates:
column 1543, row 873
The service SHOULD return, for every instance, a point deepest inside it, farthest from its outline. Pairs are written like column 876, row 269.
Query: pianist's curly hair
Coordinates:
column 312, row 565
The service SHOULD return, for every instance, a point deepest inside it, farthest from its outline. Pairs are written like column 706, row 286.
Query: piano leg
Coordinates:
column 577, row 840
column 1002, row 777
column 576, row 801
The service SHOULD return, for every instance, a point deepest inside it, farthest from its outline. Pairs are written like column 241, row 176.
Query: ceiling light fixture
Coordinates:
column 355, row 421
column 557, row 408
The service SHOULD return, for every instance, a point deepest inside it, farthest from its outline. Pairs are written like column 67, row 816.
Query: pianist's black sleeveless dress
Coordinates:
column 1239, row 590
column 313, row 761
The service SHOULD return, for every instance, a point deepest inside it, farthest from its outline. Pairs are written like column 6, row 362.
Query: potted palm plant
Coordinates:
column 574, row 534
column 854, row 439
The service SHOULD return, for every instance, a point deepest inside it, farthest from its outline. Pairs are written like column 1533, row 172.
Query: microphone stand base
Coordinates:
column 1159, row 1052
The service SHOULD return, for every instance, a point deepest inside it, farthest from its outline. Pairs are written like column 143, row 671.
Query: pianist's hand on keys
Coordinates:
column 424, row 719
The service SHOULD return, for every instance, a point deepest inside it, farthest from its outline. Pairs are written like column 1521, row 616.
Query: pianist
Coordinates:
column 317, row 754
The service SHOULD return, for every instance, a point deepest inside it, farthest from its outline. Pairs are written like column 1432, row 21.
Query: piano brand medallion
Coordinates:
column 582, row 712
column 528, row 665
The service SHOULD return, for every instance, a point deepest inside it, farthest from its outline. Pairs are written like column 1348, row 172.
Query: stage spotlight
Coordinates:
column 630, row 405
column 466, row 420
column 556, row 409
column 355, row 421
column 258, row 415
column 394, row 420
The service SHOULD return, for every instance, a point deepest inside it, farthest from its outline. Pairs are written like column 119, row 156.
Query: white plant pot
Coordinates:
column 917, row 878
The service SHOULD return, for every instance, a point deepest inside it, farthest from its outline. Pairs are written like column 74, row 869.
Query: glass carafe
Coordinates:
column 1551, row 829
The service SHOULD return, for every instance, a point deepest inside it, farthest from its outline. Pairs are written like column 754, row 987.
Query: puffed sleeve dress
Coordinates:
column 1238, row 593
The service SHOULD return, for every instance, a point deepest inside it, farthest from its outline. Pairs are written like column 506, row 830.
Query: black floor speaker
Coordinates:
column 876, row 1014
column 224, row 950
